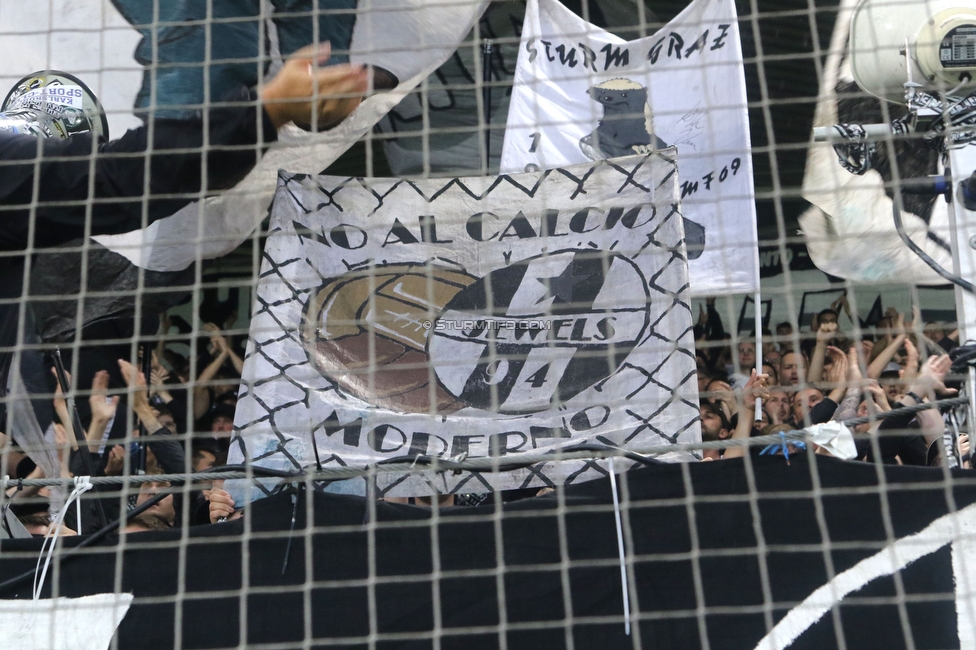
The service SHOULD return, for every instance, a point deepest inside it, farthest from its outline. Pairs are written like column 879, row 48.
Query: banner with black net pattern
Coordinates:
column 483, row 317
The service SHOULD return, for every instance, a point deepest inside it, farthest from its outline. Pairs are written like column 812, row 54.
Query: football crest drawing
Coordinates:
column 524, row 338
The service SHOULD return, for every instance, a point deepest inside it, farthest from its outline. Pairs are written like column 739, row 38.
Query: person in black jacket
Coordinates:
column 50, row 182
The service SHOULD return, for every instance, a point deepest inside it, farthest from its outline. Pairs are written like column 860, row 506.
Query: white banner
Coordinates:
column 582, row 93
column 86, row 623
column 471, row 318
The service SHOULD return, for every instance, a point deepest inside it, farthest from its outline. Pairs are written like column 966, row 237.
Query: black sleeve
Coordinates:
column 175, row 160
column 900, row 421
column 896, row 438
column 169, row 454
column 714, row 330
column 177, row 408
column 947, row 344
column 77, row 466
column 823, row 411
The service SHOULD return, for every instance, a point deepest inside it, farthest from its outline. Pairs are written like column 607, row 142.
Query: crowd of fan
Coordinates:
column 824, row 374
column 179, row 424
column 183, row 424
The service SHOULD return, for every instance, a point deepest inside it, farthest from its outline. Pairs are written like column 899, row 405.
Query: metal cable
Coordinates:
column 494, row 464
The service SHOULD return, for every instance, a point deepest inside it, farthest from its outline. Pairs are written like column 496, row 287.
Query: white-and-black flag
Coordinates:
column 483, row 317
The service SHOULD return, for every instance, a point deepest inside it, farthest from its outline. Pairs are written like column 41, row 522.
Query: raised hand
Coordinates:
column 931, row 379
column 911, row 353
column 116, row 461
column 878, row 395
column 60, row 406
column 136, row 381
column 221, row 504
column 826, row 331
column 303, row 91
column 102, row 408
column 756, row 387
column 839, row 368
column 61, row 440
column 218, row 343
column 898, row 324
column 157, row 379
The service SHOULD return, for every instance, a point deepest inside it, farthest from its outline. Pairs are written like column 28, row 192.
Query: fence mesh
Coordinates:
column 443, row 335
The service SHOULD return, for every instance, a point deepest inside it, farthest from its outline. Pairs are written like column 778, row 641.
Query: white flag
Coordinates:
column 86, row 623
column 582, row 93
column 483, row 317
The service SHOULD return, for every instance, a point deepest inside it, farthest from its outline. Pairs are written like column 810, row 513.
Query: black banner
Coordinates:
column 671, row 550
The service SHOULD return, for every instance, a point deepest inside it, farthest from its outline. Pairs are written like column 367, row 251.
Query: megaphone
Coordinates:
column 930, row 44
column 52, row 104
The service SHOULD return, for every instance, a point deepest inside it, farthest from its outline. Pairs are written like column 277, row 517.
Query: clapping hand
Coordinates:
column 102, row 408
column 931, row 379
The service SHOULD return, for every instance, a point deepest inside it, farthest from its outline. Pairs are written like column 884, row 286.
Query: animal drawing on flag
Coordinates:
column 516, row 314
column 627, row 126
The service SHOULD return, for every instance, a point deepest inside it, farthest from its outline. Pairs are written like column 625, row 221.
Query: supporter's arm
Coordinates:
column 840, row 303
column 878, row 396
column 930, row 380
column 755, row 387
column 102, row 410
column 911, row 363
column 929, row 383
column 931, row 424
column 950, row 341
column 201, row 392
column 157, row 381
column 29, row 490
column 725, row 396
column 882, row 358
column 115, row 464
column 64, row 448
column 837, row 376
column 825, row 332
column 61, row 409
column 169, row 454
column 220, row 342
column 848, row 406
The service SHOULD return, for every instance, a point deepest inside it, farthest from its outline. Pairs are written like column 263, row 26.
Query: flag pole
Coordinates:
column 757, row 302
column 486, row 100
